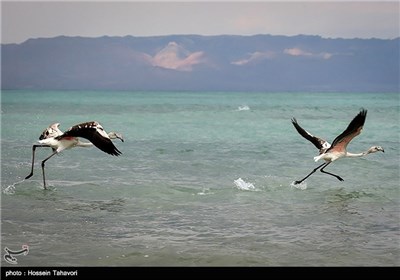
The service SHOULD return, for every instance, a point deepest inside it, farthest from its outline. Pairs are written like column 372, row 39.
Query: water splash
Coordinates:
column 301, row 186
column 205, row 191
column 243, row 185
column 10, row 190
column 243, row 108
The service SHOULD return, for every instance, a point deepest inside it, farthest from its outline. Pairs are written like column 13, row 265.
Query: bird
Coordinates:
column 330, row 153
column 54, row 138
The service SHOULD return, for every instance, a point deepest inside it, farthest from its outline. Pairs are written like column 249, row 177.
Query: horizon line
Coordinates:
column 200, row 35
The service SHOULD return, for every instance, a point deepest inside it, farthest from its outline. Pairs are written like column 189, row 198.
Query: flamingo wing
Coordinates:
column 95, row 133
column 353, row 129
column 321, row 144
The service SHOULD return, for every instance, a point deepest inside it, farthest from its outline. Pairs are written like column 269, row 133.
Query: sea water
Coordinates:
column 204, row 179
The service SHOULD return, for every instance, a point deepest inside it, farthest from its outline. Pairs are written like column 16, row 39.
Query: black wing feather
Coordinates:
column 318, row 142
column 353, row 127
column 89, row 131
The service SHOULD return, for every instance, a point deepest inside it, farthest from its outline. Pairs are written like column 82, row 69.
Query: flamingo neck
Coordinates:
column 351, row 155
column 83, row 144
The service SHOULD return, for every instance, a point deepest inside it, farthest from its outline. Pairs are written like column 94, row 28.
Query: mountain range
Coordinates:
column 202, row 63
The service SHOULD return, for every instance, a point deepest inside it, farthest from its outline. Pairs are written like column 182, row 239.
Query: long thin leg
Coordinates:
column 33, row 158
column 44, row 177
column 338, row 177
column 315, row 169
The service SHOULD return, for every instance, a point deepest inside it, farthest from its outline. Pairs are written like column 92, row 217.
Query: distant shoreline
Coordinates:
column 258, row 63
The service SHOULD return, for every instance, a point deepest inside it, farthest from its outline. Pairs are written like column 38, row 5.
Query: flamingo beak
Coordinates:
column 119, row 136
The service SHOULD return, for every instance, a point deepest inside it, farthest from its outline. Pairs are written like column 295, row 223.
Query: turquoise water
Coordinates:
column 205, row 179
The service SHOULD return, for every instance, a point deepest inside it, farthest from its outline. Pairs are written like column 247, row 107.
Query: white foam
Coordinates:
column 243, row 185
column 11, row 188
column 243, row 108
column 301, row 186
column 205, row 191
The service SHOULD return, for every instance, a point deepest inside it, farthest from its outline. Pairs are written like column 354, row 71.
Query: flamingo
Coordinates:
column 337, row 150
column 54, row 138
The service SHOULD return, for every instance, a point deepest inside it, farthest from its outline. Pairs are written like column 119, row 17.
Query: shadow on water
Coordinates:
column 348, row 202
column 342, row 194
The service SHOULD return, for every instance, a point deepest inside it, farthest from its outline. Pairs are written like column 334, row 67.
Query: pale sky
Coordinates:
column 330, row 19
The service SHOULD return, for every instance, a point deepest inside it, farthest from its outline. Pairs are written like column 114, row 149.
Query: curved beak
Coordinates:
column 119, row 136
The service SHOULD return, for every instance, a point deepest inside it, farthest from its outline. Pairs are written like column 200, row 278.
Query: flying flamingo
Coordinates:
column 337, row 150
column 54, row 138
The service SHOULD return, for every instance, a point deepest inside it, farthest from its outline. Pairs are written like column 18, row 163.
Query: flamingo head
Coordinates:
column 115, row 135
column 51, row 131
column 375, row 149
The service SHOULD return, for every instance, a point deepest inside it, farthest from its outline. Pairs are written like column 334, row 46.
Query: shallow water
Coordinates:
column 205, row 179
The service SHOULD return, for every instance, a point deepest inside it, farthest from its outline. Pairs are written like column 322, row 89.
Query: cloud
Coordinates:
column 300, row 52
column 296, row 52
column 255, row 57
column 259, row 56
column 175, row 57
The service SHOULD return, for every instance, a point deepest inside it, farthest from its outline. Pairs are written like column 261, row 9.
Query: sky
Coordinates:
column 22, row 20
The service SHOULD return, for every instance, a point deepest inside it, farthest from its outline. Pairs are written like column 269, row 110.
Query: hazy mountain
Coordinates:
column 191, row 62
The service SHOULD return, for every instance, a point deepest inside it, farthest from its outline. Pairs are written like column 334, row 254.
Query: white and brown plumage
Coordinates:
column 338, row 149
column 54, row 138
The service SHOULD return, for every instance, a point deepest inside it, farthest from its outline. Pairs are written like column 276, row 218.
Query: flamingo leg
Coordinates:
column 33, row 158
column 43, row 162
column 338, row 177
column 315, row 169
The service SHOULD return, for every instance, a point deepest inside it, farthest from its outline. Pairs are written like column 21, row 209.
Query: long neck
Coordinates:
column 84, row 144
column 351, row 155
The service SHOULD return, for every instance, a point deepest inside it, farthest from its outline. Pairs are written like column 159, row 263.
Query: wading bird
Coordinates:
column 54, row 138
column 337, row 150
